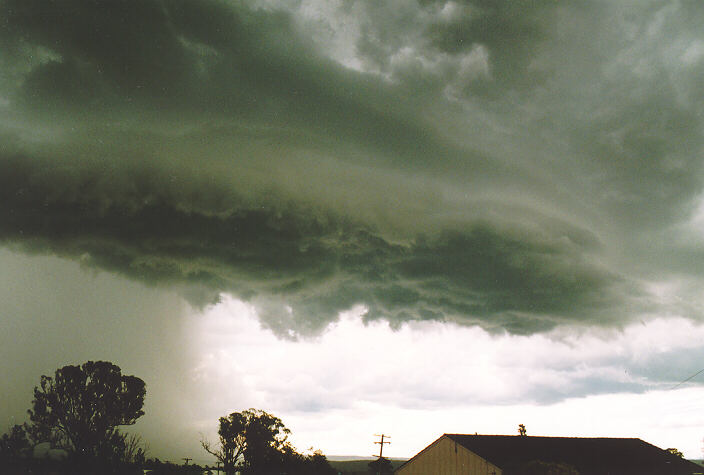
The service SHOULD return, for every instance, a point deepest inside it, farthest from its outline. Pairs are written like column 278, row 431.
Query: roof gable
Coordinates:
column 587, row 455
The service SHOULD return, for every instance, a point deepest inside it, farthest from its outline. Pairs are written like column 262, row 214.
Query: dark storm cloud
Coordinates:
column 189, row 61
column 318, row 263
column 511, row 31
column 511, row 34
column 481, row 166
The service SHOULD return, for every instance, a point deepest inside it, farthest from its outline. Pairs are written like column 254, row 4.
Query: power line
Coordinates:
column 682, row 382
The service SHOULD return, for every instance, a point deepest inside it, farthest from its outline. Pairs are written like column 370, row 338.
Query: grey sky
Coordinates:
column 528, row 167
column 187, row 142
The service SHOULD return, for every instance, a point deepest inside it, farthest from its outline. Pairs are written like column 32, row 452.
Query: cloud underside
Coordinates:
column 474, row 162
column 302, row 265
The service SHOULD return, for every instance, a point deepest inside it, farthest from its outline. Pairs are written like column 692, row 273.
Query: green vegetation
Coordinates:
column 359, row 467
column 381, row 466
column 79, row 411
column 255, row 442
column 76, row 414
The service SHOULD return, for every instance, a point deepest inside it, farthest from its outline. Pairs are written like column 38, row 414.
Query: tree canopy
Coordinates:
column 14, row 444
column 256, row 442
column 80, row 408
column 381, row 466
column 674, row 451
column 252, row 439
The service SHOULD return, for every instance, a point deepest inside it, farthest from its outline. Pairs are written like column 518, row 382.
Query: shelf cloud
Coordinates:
column 520, row 166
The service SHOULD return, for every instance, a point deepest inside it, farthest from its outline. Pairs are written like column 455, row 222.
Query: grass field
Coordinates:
column 358, row 467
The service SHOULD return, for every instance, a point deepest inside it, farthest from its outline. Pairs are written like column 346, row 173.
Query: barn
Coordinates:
column 459, row 454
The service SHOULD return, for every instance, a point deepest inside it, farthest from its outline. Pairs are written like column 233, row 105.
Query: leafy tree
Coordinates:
column 80, row 408
column 253, row 439
column 266, row 446
column 230, row 448
column 256, row 442
column 14, row 445
column 381, row 466
column 674, row 451
column 318, row 464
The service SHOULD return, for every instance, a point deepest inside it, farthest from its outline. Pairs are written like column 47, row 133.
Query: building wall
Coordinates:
column 445, row 457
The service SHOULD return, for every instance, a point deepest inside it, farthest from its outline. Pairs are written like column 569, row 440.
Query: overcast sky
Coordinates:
column 406, row 216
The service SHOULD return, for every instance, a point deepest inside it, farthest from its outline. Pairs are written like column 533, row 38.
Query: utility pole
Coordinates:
column 217, row 465
column 187, row 459
column 381, row 443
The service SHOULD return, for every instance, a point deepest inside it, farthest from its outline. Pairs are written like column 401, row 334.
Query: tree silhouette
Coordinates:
column 254, row 439
column 381, row 466
column 256, row 442
column 674, row 451
column 14, row 445
column 231, row 441
column 266, row 444
column 318, row 464
column 80, row 408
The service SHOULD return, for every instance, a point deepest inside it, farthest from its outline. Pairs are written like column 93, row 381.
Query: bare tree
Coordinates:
column 135, row 450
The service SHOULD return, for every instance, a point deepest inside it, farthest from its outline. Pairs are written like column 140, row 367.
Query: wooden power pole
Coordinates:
column 381, row 443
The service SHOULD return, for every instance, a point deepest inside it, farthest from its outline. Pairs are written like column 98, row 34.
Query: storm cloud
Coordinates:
column 517, row 166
